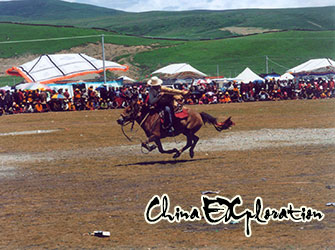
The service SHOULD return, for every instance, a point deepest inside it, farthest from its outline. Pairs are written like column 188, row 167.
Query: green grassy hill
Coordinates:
column 285, row 50
column 208, row 24
column 46, row 10
column 202, row 24
column 10, row 33
column 232, row 55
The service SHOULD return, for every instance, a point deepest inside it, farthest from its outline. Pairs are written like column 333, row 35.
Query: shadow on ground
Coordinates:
column 162, row 162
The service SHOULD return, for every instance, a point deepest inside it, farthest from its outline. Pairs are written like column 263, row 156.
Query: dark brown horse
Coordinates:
column 150, row 121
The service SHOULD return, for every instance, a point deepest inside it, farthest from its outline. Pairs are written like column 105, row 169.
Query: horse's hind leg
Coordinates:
column 195, row 140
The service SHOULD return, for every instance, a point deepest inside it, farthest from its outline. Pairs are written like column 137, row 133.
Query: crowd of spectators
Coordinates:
column 29, row 101
column 265, row 91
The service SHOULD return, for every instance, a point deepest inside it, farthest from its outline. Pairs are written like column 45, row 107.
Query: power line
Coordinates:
column 277, row 63
column 49, row 39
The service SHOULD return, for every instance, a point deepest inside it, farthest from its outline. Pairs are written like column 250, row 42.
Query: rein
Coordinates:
column 132, row 125
column 124, row 133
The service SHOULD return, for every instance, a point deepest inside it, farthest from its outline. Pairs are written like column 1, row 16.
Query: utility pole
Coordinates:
column 266, row 65
column 217, row 70
column 103, row 56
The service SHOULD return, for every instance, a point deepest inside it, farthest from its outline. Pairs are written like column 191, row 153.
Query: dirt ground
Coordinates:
column 83, row 175
column 247, row 30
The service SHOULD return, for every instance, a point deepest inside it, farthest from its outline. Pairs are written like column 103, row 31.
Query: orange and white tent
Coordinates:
column 52, row 68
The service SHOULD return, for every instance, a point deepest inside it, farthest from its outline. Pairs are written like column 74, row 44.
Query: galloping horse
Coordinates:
column 150, row 121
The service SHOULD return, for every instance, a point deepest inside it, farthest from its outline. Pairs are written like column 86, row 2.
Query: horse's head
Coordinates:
column 130, row 113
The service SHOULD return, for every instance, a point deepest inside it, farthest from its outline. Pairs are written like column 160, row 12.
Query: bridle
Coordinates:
column 131, row 120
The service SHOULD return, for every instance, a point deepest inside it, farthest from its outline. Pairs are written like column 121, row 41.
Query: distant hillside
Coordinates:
column 230, row 56
column 48, row 10
column 198, row 24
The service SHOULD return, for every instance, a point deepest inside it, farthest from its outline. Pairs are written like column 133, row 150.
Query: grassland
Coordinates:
column 207, row 24
column 233, row 55
column 197, row 24
column 9, row 33
column 230, row 56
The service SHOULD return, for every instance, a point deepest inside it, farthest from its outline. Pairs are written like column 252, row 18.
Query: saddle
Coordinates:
column 182, row 113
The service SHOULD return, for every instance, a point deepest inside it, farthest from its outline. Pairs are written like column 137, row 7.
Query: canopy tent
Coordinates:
column 70, row 86
column 321, row 66
column 52, row 68
column 271, row 76
column 32, row 86
column 286, row 77
column 126, row 79
column 179, row 70
column 248, row 75
column 6, row 88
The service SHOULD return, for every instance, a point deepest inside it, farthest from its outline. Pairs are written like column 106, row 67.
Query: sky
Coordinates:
column 178, row 5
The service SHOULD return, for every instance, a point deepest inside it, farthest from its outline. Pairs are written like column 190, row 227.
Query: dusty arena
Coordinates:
column 64, row 175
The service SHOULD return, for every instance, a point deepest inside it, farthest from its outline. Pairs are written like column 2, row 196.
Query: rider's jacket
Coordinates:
column 156, row 99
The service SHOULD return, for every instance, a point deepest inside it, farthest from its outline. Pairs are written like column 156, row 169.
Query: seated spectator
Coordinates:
column 38, row 107
column 227, row 98
column 276, row 93
column 263, row 95
column 235, row 94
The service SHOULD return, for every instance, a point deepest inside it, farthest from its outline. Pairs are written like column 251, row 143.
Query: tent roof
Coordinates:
column 178, row 68
column 314, row 66
column 286, row 76
column 248, row 75
column 126, row 78
column 52, row 68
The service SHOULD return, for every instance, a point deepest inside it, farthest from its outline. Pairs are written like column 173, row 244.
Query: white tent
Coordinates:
column 32, row 86
column 5, row 88
column 126, row 78
column 286, row 77
column 248, row 75
column 178, row 68
column 314, row 67
column 51, row 68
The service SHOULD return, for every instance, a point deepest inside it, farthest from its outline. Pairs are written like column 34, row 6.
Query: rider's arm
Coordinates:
column 170, row 91
column 154, row 97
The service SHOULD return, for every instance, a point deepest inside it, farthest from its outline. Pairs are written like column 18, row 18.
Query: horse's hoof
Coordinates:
column 176, row 155
column 148, row 147
column 191, row 154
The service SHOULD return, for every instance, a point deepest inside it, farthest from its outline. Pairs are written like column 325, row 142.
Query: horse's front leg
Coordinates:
column 195, row 139
column 146, row 144
column 161, row 150
column 188, row 144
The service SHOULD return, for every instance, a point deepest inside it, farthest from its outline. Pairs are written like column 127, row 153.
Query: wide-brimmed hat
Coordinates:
column 155, row 81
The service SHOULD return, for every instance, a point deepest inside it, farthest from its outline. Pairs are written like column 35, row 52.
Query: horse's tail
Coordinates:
column 219, row 126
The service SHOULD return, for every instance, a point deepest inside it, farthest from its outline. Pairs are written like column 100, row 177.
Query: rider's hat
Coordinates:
column 155, row 81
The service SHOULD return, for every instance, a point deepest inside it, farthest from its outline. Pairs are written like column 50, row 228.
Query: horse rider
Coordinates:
column 159, row 97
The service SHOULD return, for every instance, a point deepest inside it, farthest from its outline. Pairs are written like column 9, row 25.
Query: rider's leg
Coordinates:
column 168, row 117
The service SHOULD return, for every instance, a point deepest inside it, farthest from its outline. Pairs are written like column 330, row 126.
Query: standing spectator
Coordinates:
column 67, row 94
column 8, row 101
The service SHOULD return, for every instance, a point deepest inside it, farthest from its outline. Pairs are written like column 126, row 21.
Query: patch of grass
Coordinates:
column 14, row 32
column 196, row 24
column 10, row 80
column 285, row 49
